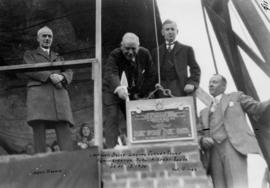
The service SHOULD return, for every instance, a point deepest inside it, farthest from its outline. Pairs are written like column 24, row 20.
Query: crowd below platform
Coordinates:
column 84, row 139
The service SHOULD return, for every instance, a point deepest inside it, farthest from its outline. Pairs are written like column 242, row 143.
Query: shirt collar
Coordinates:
column 218, row 98
column 45, row 50
column 172, row 43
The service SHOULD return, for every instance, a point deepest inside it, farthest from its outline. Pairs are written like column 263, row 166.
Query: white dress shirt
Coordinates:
column 170, row 45
column 46, row 50
column 216, row 100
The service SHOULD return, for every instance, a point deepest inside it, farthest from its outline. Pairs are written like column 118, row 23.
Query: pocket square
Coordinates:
column 231, row 104
column 143, row 71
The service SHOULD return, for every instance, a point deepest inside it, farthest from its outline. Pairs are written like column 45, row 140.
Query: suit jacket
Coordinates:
column 44, row 100
column 116, row 64
column 262, row 132
column 183, row 57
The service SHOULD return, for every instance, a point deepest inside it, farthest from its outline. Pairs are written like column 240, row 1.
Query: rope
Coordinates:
column 156, row 37
column 209, row 38
column 158, row 86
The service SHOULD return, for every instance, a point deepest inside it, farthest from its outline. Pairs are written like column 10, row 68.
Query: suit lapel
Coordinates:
column 177, row 59
column 177, row 48
column 162, row 50
column 44, row 54
column 224, row 102
column 139, row 68
column 53, row 56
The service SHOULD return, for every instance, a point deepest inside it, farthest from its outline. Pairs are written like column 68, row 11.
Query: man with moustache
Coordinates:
column 48, row 104
column 136, row 62
column 226, row 136
column 179, row 70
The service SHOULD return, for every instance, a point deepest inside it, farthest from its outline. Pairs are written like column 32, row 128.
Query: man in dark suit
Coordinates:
column 175, row 59
column 48, row 104
column 136, row 63
column 226, row 135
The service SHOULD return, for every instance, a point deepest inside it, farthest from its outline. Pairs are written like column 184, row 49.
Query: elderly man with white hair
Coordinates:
column 136, row 62
column 48, row 104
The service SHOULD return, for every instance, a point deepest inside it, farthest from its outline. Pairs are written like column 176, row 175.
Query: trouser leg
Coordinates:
column 235, row 168
column 39, row 134
column 111, row 129
column 64, row 137
column 217, row 168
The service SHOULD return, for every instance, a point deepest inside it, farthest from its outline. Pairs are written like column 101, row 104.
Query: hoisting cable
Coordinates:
column 156, row 38
column 158, row 86
column 209, row 38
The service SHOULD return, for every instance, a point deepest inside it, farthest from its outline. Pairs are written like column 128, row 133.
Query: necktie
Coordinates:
column 169, row 47
column 132, row 73
column 47, row 51
column 214, row 105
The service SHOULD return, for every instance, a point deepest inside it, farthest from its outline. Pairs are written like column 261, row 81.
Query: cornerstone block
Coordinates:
column 161, row 120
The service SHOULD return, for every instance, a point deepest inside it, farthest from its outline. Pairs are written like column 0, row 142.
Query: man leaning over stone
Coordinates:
column 136, row 62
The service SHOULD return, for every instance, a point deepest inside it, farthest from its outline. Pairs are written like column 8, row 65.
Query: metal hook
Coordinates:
column 166, row 92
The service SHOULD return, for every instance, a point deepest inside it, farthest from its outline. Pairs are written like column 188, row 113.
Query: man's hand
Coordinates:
column 189, row 88
column 207, row 142
column 122, row 93
column 57, row 79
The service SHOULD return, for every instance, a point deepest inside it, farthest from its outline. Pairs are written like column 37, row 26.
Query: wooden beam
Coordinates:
column 80, row 63
column 255, row 26
column 222, row 27
column 264, row 66
column 97, row 73
column 203, row 96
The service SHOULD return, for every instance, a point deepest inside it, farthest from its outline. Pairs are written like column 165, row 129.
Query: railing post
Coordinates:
column 97, row 76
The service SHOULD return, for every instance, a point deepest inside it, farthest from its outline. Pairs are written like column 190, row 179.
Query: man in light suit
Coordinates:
column 176, row 60
column 48, row 103
column 226, row 135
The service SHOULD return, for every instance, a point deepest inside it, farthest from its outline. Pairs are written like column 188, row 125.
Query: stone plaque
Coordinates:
column 161, row 120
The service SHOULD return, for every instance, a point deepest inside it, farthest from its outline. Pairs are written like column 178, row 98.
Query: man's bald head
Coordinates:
column 44, row 30
column 217, row 85
column 45, row 37
column 130, row 45
column 130, row 38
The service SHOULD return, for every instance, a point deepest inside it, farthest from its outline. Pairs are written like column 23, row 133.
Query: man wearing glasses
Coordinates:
column 48, row 104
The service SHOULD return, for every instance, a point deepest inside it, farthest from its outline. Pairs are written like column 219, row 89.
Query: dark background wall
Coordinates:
column 73, row 24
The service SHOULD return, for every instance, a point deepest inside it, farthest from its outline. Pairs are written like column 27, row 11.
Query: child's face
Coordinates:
column 85, row 131
column 56, row 148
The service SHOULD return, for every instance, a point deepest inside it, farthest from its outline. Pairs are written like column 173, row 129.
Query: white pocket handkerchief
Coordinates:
column 231, row 104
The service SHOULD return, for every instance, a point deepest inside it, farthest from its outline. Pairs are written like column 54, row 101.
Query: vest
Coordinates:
column 217, row 129
column 167, row 69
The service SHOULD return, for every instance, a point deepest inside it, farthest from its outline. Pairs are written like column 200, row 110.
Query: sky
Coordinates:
column 189, row 18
